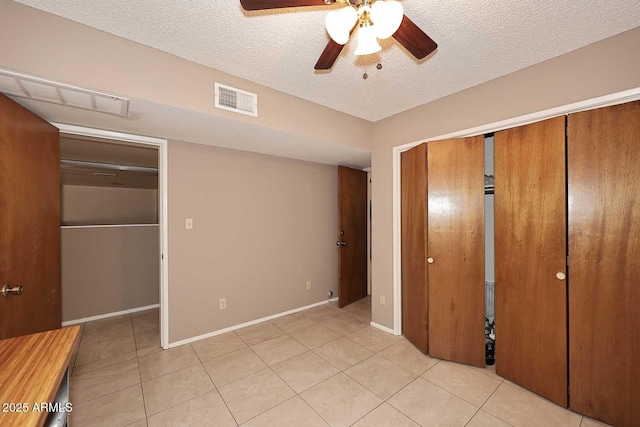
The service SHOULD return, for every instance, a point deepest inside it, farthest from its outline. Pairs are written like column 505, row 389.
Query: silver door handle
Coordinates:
column 6, row 290
column 341, row 243
column 560, row 275
column 430, row 260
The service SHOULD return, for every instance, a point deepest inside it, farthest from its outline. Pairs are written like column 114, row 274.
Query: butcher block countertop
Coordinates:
column 31, row 369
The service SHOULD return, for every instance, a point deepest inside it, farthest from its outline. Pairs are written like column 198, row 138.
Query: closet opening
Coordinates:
column 489, row 251
column 112, row 230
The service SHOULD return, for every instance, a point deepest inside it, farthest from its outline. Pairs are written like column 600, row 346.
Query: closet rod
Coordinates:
column 123, row 168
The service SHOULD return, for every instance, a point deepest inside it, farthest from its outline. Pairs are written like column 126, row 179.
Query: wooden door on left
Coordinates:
column 352, row 235
column 29, row 222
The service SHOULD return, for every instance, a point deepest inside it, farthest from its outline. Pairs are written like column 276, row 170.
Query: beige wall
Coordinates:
column 263, row 226
column 60, row 49
column 605, row 67
column 109, row 269
column 84, row 205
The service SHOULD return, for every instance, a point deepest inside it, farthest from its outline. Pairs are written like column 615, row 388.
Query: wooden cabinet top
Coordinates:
column 31, row 369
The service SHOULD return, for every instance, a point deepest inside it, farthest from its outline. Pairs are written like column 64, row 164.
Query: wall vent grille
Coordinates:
column 31, row 87
column 236, row 100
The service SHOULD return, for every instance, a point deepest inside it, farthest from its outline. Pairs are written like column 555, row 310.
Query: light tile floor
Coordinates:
column 321, row 367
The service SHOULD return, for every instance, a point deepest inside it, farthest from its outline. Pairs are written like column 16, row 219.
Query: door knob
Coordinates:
column 560, row 275
column 6, row 290
column 430, row 260
column 341, row 243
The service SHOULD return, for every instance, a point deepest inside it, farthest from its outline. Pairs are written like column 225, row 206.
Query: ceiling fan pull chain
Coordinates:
column 365, row 76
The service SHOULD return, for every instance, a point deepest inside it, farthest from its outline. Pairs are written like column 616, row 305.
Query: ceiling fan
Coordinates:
column 375, row 19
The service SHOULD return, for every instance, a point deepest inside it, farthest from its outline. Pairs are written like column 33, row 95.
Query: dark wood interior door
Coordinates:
column 29, row 222
column 604, row 263
column 352, row 235
column 456, row 250
column 530, row 255
column 413, row 182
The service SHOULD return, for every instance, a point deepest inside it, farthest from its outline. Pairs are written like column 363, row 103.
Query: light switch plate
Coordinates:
column 383, row 300
column 189, row 224
column 308, row 284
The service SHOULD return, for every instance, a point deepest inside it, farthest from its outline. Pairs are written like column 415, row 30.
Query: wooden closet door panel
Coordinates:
column 414, row 246
column 530, row 249
column 456, row 244
column 604, row 263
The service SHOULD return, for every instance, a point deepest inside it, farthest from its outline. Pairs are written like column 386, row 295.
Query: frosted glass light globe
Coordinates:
column 386, row 17
column 340, row 22
column 367, row 41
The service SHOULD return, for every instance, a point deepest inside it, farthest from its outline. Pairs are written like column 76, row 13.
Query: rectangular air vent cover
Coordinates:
column 31, row 87
column 232, row 99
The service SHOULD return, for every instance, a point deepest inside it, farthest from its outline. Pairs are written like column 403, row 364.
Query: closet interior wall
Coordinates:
column 110, row 238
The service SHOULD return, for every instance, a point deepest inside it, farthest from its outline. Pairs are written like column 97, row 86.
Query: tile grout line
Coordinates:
column 144, row 401
column 188, row 400
column 460, row 397
column 485, row 402
column 396, row 393
column 115, row 391
column 218, row 390
column 281, row 379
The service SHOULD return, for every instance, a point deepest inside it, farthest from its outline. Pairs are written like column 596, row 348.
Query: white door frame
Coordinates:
column 163, row 211
column 368, row 171
column 589, row 104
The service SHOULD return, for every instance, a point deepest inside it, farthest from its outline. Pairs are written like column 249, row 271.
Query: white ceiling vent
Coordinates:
column 31, row 87
column 239, row 101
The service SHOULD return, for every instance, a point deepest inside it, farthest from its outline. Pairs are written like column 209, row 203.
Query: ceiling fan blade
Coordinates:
column 414, row 39
column 329, row 55
column 276, row 4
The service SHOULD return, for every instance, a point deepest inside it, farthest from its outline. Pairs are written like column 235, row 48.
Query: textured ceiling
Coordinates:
column 479, row 40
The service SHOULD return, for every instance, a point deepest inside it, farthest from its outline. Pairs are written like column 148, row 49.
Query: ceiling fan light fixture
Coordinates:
column 387, row 16
column 340, row 22
column 367, row 41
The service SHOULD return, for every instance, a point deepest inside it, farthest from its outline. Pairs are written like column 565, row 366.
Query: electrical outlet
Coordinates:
column 223, row 303
column 308, row 284
column 383, row 300
column 189, row 224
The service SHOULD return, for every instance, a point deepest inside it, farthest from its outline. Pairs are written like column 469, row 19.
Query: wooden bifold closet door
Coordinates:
column 455, row 251
column 604, row 263
column 442, row 187
column 530, row 257
column 413, row 183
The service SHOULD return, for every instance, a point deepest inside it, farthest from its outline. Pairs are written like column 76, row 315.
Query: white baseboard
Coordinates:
column 107, row 315
column 382, row 328
column 244, row 325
